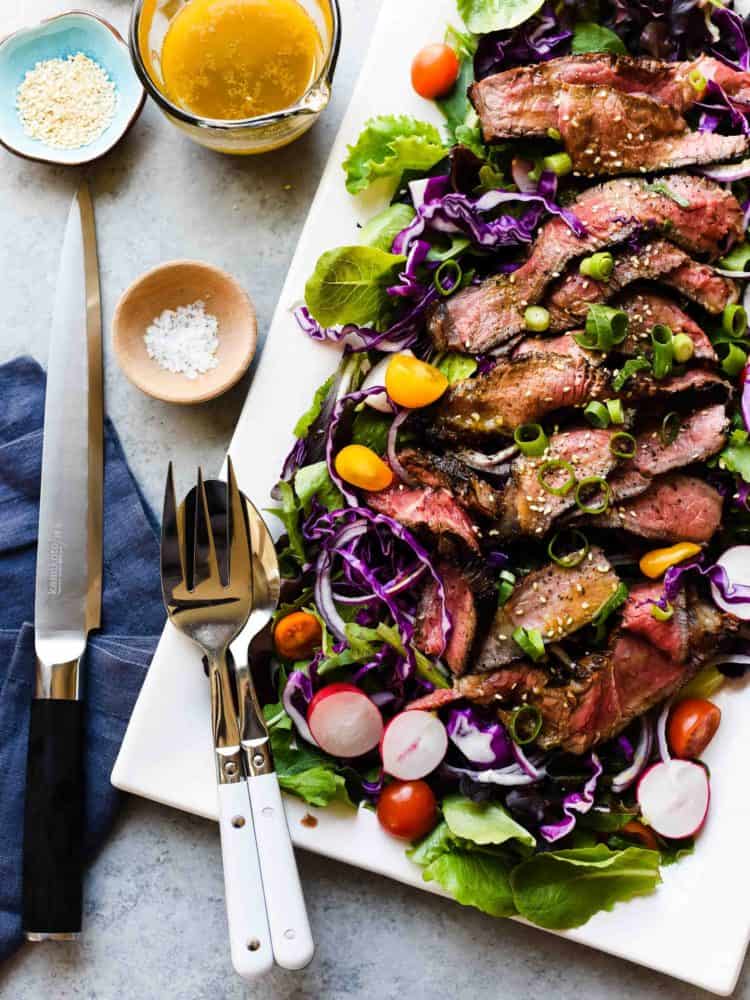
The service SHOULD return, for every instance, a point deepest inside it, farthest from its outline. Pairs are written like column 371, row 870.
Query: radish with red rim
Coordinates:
column 673, row 796
column 414, row 743
column 344, row 721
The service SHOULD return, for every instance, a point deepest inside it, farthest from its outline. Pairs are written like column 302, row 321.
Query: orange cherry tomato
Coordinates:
column 645, row 836
column 691, row 726
column 434, row 70
column 407, row 809
column 361, row 467
column 413, row 383
column 296, row 635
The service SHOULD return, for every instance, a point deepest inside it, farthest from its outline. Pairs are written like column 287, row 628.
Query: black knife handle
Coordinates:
column 53, row 822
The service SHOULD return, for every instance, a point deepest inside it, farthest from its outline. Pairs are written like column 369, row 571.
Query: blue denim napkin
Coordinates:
column 118, row 654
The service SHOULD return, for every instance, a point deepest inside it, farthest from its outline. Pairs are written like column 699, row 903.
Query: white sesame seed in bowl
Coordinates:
column 68, row 91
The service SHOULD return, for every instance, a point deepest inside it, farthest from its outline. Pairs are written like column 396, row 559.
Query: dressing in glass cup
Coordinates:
column 172, row 60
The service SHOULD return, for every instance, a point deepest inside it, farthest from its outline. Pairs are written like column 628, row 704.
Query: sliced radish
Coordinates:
column 376, row 377
column 413, row 745
column 736, row 563
column 674, row 797
column 344, row 721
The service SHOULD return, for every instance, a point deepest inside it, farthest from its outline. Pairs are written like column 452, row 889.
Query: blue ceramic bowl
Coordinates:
column 57, row 38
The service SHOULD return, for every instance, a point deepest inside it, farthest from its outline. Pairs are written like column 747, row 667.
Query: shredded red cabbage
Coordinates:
column 540, row 38
column 298, row 692
column 574, row 804
column 732, row 593
column 733, row 38
column 484, row 742
column 718, row 108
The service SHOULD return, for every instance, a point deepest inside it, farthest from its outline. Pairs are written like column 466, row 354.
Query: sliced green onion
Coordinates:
column 615, row 410
column 618, row 596
column 734, row 321
column 531, row 439
column 552, row 465
column 738, row 259
column 697, row 80
column 662, row 614
column 586, row 486
column 554, row 133
column 661, row 341
column 525, row 724
column 683, row 348
column 670, row 428
column 609, row 326
column 734, row 360
column 588, row 341
column 622, row 445
column 505, row 586
column 451, row 270
column 597, row 414
column 576, row 541
column 628, row 370
column 558, row 163
column 598, row 266
column 536, row 319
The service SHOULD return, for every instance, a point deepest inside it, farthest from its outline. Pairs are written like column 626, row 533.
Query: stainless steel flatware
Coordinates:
column 207, row 586
column 291, row 936
column 68, row 588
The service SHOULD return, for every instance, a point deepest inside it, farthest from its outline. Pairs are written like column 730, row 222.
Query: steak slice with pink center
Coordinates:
column 671, row 636
column 698, row 436
column 434, row 511
column 647, row 308
column 459, row 600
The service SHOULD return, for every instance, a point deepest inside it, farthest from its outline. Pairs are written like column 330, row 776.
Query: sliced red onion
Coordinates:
column 535, row 771
column 295, row 699
column 625, row 778
column 404, row 581
column 727, row 173
column 661, row 731
column 507, row 776
column 520, row 170
column 323, row 590
column 393, row 461
column 489, row 463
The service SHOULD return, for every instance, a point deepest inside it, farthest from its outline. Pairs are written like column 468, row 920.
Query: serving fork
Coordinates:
column 207, row 589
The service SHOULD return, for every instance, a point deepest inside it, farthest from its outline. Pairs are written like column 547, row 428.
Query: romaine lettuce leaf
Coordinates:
column 305, row 771
column 481, row 16
column 483, row 822
column 564, row 889
column 387, row 146
column 312, row 413
column 474, row 879
column 384, row 227
column 349, row 285
column 314, row 481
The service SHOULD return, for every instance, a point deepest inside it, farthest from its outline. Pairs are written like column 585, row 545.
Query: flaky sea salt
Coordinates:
column 184, row 340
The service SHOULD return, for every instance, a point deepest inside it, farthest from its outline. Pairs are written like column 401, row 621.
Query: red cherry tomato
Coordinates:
column 434, row 70
column 407, row 809
column 691, row 727
column 635, row 830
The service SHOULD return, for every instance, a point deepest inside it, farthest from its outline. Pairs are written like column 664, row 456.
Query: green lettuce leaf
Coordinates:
column 591, row 37
column 456, row 107
column 736, row 456
column 349, row 285
column 312, row 413
column 456, row 367
column 387, row 146
column 304, row 771
column 565, row 888
column 289, row 515
column 483, row 823
column 440, row 841
column 370, row 428
column 474, row 879
column 384, row 227
column 315, row 481
column 481, row 16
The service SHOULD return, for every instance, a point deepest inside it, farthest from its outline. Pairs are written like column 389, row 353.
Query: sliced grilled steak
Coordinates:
column 569, row 299
column 675, row 508
column 485, row 316
column 524, row 101
column 706, row 385
column 462, row 610
column 700, row 436
column 426, row 468
column 427, row 509
column 645, row 309
column 625, row 482
column 554, row 600
column 528, row 508
column 671, row 637
column 607, row 132
column 564, row 345
column 514, row 393
column 483, row 688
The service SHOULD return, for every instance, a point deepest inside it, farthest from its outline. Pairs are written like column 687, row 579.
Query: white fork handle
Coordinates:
column 291, row 937
column 249, row 935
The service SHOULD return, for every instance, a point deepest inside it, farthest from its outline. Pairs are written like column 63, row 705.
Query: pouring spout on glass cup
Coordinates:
column 149, row 29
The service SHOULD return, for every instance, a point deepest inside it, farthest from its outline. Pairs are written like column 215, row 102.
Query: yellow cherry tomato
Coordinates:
column 655, row 563
column 413, row 383
column 361, row 467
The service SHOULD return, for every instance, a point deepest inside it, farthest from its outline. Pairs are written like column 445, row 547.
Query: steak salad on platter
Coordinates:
column 516, row 549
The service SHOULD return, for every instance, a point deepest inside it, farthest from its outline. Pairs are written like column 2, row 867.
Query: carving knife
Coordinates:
column 68, row 587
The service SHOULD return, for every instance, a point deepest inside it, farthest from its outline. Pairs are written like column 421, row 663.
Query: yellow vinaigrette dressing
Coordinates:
column 236, row 59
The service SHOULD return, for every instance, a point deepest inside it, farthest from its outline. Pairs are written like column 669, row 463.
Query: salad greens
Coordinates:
column 482, row 16
column 389, row 145
column 591, row 37
column 349, row 284
column 383, row 228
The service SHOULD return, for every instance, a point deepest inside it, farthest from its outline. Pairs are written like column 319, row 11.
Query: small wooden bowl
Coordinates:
column 180, row 283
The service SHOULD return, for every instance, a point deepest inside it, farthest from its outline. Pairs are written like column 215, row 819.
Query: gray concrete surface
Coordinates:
column 155, row 925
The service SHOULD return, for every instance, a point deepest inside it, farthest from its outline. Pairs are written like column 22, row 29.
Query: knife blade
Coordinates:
column 68, row 587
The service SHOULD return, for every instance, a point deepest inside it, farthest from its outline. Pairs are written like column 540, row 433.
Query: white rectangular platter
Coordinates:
column 697, row 925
